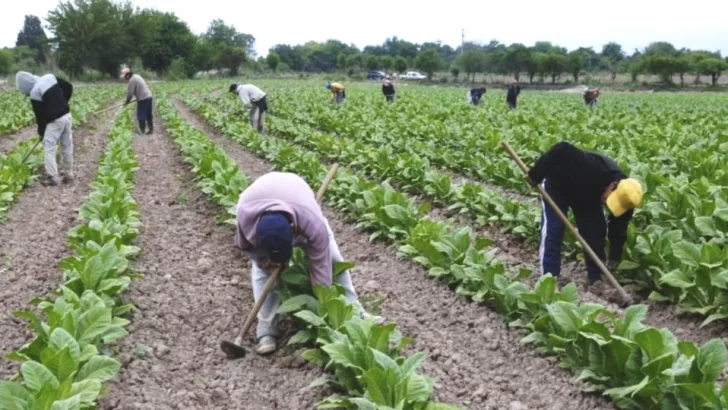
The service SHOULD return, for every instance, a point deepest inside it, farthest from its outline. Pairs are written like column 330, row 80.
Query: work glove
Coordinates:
column 127, row 102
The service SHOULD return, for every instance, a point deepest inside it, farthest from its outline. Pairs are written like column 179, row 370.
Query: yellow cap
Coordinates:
column 628, row 195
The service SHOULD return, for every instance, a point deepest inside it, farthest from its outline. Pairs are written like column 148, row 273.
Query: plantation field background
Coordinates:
column 439, row 222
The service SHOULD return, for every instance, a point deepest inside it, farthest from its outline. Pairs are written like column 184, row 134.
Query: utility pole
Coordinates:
column 462, row 42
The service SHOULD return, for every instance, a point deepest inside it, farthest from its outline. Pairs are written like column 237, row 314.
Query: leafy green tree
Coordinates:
column 455, row 71
column 515, row 60
column 354, row 61
column 387, row 63
column 169, row 39
column 471, row 62
column 6, row 61
column 575, row 63
column 661, row 65
column 372, row 62
column 428, row 61
column 220, row 33
column 400, row 64
column 272, row 60
column 33, row 36
column 712, row 67
column 555, row 65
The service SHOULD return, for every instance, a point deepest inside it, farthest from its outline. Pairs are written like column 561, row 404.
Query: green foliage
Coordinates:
column 272, row 60
column 400, row 64
column 33, row 36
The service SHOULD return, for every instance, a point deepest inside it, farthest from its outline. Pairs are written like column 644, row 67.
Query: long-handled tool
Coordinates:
column 626, row 298
column 235, row 350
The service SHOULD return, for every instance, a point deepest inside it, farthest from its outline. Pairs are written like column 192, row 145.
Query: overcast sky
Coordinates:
column 568, row 23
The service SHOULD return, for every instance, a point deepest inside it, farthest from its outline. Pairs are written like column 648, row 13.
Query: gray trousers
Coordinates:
column 257, row 118
column 58, row 130
column 267, row 318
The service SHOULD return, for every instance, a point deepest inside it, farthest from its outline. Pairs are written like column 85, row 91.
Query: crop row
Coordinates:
column 681, row 262
column 638, row 366
column 16, row 175
column 65, row 365
column 16, row 112
column 365, row 357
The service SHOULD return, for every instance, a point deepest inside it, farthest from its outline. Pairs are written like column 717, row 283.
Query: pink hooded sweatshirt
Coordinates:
column 288, row 193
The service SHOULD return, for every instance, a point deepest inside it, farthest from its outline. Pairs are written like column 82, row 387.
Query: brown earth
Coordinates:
column 194, row 294
column 33, row 239
column 476, row 362
column 8, row 142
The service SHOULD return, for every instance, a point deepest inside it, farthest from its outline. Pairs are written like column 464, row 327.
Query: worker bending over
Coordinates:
column 253, row 98
column 388, row 90
column 275, row 213
column 590, row 96
column 50, row 97
column 138, row 88
column 337, row 90
column 583, row 181
column 475, row 95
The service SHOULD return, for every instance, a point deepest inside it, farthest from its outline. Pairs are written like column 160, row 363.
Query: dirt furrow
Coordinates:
column 10, row 141
column 33, row 239
column 194, row 293
column 475, row 361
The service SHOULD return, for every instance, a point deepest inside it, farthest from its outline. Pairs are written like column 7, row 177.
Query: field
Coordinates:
column 117, row 290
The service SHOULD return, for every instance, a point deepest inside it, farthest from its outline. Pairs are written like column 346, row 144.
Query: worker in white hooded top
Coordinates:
column 253, row 98
column 50, row 97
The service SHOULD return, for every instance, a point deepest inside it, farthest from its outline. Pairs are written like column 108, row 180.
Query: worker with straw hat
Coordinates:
column 584, row 181
column 138, row 88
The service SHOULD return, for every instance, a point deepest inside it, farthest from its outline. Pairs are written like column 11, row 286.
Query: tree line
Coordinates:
column 101, row 35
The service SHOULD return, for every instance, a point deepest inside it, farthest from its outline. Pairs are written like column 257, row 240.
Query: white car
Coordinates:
column 414, row 75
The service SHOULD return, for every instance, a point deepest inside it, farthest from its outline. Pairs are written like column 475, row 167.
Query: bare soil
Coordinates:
column 195, row 293
column 475, row 361
column 33, row 239
column 10, row 141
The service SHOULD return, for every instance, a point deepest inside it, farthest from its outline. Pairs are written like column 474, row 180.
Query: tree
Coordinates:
column 554, row 65
column 713, row 67
column 428, row 61
column 661, row 65
column 33, row 36
column 455, row 71
column 169, row 39
column 471, row 62
column 94, row 33
column 220, row 33
column 574, row 63
column 387, row 63
column 613, row 52
column 6, row 62
column 372, row 62
column 272, row 60
column 400, row 64
column 515, row 59
column 354, row 61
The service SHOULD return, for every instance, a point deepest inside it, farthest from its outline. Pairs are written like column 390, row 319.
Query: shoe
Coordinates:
column 150, row 131
column 598, row 288
column 68, row 178
column 49, row 181
column 266, row 345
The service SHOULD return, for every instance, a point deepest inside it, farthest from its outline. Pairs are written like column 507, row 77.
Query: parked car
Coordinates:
column 376, row 75
column 414, row 75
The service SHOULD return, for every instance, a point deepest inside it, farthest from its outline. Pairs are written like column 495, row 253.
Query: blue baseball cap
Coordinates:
column 275, row 236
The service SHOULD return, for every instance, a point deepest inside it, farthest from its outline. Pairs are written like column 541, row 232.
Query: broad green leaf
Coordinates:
column 99, row 368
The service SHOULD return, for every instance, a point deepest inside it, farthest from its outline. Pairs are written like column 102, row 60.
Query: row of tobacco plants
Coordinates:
column 638, row 366
column 365, row 357
column 65, row 365
column 15, row 174
column 676, row 246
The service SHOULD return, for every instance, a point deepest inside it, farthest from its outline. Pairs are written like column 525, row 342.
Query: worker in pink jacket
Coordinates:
column 275, row 213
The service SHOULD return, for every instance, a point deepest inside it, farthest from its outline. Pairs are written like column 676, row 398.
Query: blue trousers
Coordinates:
column 590, row 222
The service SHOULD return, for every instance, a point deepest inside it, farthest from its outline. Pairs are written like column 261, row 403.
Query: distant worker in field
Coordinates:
column 138, row 89
column 50, row 97
column 512, row 94
column 276, row 213
column 475, row 95
column 253, row 98
column 337, row 90
column 388, row 90
column 590, row 96
column 584, row 181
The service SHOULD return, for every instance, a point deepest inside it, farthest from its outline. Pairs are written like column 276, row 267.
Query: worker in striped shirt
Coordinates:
column 253, row 98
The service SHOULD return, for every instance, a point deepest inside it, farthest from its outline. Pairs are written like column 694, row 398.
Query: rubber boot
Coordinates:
column 141, row 126
column 151, row 127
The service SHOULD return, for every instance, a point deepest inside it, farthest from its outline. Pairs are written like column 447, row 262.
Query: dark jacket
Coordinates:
column 388, row 89
column 476, row 93
column 50, row 99
column 581, row 177
column 512, row 94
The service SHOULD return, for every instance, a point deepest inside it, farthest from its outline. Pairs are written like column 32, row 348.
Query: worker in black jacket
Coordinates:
column 584, row 181
column 50, row 96
column 512, row 95
column 388, row 90
column 475, row 95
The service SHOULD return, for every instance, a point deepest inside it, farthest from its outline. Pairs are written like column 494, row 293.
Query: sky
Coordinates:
column 567, row 23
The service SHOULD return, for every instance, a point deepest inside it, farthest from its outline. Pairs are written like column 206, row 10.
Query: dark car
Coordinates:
column 376, row 75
